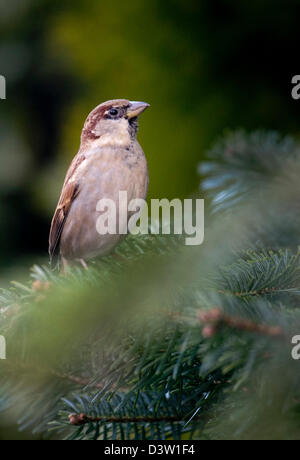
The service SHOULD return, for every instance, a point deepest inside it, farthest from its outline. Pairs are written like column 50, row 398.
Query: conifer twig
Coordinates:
column 215, row 318
column 82, row 419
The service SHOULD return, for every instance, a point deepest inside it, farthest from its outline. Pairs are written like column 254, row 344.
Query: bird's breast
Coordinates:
column 108, row 171
column 104, row 174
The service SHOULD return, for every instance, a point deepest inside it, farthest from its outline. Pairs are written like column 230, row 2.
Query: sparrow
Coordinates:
column 109, row 160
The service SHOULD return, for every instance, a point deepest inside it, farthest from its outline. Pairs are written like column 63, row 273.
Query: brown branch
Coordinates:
column 214, row 319
column 82, row 419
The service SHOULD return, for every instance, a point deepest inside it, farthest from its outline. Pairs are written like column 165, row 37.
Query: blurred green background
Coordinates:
column 204, row 66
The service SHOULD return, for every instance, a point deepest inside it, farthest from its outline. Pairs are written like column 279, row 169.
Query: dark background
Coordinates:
column 204, row 66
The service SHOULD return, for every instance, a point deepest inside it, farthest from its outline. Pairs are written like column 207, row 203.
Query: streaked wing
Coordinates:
column 69, row 193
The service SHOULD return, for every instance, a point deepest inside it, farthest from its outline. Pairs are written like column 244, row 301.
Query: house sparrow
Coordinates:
column 109, row 160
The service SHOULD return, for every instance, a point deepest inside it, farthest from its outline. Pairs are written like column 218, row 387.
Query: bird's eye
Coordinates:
column 113, row 112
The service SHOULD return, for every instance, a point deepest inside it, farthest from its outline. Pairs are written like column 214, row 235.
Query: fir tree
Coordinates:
column 163, row 341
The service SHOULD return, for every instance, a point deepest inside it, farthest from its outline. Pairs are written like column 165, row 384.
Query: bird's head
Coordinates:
column 114, row 122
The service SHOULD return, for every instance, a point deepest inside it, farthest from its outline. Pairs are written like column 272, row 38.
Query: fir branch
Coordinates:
column 241, row 163
column 140, row 381
column 261, row 273
column 215, row 319
column 82, row 419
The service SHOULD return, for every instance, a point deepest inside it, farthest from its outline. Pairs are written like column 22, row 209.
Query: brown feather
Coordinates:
column 69, row 192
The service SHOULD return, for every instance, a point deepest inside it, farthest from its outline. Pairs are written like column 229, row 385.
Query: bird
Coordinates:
column 110, row 159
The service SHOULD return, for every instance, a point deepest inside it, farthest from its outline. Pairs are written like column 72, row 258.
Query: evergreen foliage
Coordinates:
column 163, row 341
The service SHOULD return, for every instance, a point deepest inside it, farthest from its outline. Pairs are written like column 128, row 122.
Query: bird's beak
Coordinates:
column 136, row 108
